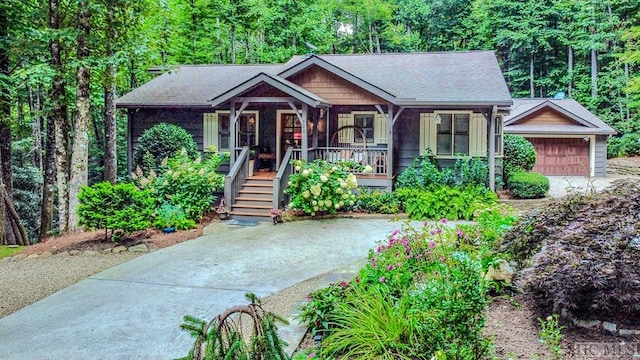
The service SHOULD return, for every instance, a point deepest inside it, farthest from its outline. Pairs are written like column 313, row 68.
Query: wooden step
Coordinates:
column 257, row 185
column 252, row 206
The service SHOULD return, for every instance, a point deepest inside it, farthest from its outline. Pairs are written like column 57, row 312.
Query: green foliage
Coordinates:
column 528, row 185
column 424, row 173
column 120, row 207
column 321, row 187
column 471, row 171
column 626, row 145
column 172, row 216
column 581, row 254
column 26, row 183
column 444, row 202
column 186, row 183
column 551, row 336
column 519, row 154
column 378, row 202
column 162, row 141
column 420, row 296
column 6, row 251
column 240, row 333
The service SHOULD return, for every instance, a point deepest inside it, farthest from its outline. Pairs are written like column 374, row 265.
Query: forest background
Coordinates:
column 64, row 62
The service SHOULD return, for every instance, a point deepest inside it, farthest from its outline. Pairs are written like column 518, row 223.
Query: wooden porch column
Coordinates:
column 232, row 131
column 129, row 141
column 492, row 148
column 390, row 121
column 305, row 133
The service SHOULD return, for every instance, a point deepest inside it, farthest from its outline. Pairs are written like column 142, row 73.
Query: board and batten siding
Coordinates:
column 600, row 154
column 189, row 119
column 210, row 133
column 346, row 136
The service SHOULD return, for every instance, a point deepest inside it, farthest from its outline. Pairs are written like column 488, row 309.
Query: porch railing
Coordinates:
column 237, row 176
column 282, row 177
column 376, row 158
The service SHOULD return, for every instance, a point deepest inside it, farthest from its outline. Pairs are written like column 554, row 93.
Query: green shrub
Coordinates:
column 424, row 173
column 625, row 145
column 172, row 216
column 378, row 202
column 471, row 171
column 121, row 208
column 162, row 141
column 519, row 154
column 528, row 185
column 444, row 202
column 321, row 187
column 586, row 253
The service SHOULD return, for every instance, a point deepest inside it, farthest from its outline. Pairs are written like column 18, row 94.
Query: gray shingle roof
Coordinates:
column 586, row 122
column 447, row 78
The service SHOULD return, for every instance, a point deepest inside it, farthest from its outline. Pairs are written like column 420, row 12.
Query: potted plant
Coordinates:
column 222, row 211
column 171, row 217
column 276, row 215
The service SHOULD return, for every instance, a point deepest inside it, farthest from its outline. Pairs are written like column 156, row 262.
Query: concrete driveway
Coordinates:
column 560, row 186
column 133, row 311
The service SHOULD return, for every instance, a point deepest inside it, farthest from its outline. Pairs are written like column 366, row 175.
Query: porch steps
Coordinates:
column 255, row 200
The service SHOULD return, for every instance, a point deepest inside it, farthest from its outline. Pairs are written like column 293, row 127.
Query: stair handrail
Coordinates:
column 282, row 178
column 237, row 176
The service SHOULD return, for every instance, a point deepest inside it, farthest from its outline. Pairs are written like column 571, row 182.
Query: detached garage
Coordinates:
column 568, row 138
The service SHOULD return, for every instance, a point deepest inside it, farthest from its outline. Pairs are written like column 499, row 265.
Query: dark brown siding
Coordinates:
column 546, row 117
column 189, row 119
column 333, row 88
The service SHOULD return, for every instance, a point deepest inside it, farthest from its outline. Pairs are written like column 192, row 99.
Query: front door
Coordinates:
column 289, row 133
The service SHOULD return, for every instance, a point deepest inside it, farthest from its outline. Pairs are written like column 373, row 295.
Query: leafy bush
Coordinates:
column 162, row 141
column 378, row 202
column 471, row 171
column 115, row 207
column 172, row 216
column 528, row 185
column 186, row 183
column 519, row 154
column 424, row 173
column 586, row 254
column 321, row 187
column 418, row 297
column 626, row 145
column 444, row 202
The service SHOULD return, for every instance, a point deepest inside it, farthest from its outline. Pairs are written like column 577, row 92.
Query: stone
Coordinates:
column 5, row 259
column 18, row 257
column 46, row 254
column 139, row 248
column 106, row 251
column 587, row 324
column 63, row 254
column 74, row 252
column 90, row 253
column 33, row 256
column 500, row 270
column 119, row 249
column 629, row 332
column 610, row 327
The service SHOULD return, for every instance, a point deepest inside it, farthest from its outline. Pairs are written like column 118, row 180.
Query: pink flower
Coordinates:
column 394, row 233
column 425, row 223
column 343, row 283
column 442, row 259
column 460, row 233
column 444, row 220
column 433, row 232
column 383, row 279
column 432, row 244
column 399, row 264
column 390, row 267
column 358, row 280
column 373, row 262
column 408, row 257
column 311, row 356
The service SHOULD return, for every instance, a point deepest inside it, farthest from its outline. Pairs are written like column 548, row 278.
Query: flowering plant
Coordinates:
column 275, row 213
column 221, row 208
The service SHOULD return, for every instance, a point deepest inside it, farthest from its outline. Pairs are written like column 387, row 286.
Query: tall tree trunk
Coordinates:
column 233, row 43
column 531, row 76
column 35, row 107
column 58, row 122
column 594, row 73
column 570, row 70
column 80, row 152
column 110, row 158
column 49, row 172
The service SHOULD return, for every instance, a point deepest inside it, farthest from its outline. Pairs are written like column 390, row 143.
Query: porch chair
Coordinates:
column 344, row 138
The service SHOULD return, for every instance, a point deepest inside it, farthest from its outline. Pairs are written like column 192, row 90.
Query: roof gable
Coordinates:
column 546, row 116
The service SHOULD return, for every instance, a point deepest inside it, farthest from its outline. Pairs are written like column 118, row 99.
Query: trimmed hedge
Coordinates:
column 519, row 154
column 528, row 185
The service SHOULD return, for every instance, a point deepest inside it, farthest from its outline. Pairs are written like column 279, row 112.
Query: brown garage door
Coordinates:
column 562, row 156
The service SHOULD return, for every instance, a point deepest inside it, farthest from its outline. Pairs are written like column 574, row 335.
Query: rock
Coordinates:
column 5, row 259
column 33, row 256
column 62, row 254
column 139, row 248
column 46, row 254
column 587, row 324
column 610, row 327
column 500, row 270
column 18, row 257
column 90, row 253
column 74, row 252
column 119, row 249
column 106, row 251
column 629, row 332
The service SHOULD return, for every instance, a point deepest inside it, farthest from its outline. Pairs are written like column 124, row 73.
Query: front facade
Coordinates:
column 568, row 138
column 380, row 110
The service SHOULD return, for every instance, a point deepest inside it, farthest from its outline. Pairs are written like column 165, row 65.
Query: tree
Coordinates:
column 111, row 36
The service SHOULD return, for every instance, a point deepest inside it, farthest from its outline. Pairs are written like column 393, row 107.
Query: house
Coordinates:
column 383, row 110
column 568, row 138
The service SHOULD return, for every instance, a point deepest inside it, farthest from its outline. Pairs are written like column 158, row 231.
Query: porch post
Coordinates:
column 390, row 142
column 129, row 141
column 232, row 136
column 305, row 133
column 492, row 148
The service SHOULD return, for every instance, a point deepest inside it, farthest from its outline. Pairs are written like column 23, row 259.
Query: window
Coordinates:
column 498, row 135
column 452, row 133
column 223, row 131
column 366, row 123
column 217, row 130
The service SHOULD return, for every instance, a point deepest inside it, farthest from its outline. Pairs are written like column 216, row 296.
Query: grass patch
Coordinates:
column 6, row 251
